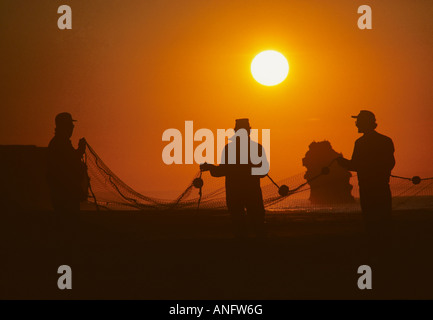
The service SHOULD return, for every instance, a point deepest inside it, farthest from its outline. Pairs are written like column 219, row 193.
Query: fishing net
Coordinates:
column 109, row 192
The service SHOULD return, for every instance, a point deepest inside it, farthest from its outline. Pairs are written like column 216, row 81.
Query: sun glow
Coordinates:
column 269, row 68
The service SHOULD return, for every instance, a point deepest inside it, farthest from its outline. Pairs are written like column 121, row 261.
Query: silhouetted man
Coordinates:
column 243, row 192
column 373, row 160
column 65, row 170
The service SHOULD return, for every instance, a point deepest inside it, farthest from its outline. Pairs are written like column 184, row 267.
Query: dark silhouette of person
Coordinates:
column 244, row 197
column 373, row 160
column 65, row 169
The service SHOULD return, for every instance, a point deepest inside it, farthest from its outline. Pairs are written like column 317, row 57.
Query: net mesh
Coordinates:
column 109, row 192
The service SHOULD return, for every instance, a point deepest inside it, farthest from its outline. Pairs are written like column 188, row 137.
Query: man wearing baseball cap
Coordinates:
column 65, row 170
column 373, row 160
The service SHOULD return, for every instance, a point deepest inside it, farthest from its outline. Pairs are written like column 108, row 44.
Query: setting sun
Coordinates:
column 269, row 68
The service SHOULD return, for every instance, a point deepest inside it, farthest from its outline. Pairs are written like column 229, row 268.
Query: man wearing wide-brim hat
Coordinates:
column 243, row 193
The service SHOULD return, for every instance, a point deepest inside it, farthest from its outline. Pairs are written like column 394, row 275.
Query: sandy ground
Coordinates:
column 192, row 255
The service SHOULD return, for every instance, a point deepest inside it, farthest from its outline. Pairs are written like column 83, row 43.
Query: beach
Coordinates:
column 193, row 255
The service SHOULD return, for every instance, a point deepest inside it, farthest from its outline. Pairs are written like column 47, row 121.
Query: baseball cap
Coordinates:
column 365, row 115
column 64, row 117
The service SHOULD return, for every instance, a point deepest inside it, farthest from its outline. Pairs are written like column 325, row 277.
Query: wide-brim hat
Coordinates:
column 243, row 123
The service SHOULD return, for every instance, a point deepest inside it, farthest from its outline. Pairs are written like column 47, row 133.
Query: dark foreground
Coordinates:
column 191, row 255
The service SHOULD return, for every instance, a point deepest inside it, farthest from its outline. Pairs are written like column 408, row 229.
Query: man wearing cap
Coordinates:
column 373, row 160
column 243, row 192
column 65, row 169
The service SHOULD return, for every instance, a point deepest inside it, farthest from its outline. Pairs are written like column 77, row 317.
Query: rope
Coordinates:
column 399, row 177
column 325, row 171
column 200, row 193
column 273, row 181
column 413, row 179
column 90, row 185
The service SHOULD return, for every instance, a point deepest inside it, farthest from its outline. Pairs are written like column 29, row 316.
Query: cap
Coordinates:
column 242, row 124
column 365, row 115
column 64, row 117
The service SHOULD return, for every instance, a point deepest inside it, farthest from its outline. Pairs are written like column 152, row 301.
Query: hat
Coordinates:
column 64, row 118
column 365, row 115
column 242, row 124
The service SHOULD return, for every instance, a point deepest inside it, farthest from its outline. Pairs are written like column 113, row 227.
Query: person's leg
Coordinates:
column 238, row 222
column 383, row 225
column 237, row 214
column 256, row 212
column 376, row 207
column 66, row 210
column 368, row 201
column 59, row 204
column 387, row 210
column 367, row 208
column 381, row 207
column 61, row 236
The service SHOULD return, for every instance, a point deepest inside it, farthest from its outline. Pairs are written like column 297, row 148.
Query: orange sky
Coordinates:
column 128, row 70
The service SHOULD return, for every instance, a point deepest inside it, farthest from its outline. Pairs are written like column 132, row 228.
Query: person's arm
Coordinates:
column 216, row 171
column 350, row 165
column 81, row 147
column 345, row 163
